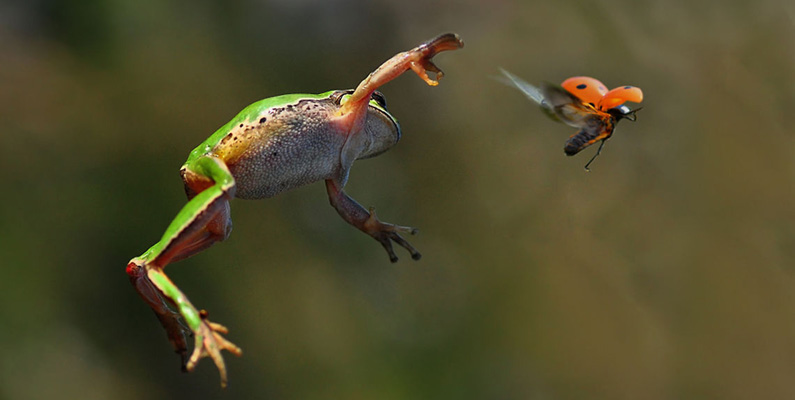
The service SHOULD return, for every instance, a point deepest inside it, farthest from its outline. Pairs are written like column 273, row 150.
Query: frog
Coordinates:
column 269, row 147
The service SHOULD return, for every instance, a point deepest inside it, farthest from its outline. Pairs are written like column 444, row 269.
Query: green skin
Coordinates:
column 271, row 146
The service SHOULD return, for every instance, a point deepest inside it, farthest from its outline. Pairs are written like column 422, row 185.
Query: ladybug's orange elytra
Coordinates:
column 619, row 96
column 587, row 89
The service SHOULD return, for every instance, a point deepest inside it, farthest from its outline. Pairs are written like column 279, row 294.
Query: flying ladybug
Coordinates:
column 584, row 103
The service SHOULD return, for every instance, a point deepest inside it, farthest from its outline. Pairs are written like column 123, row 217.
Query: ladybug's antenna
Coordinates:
column 599, row 151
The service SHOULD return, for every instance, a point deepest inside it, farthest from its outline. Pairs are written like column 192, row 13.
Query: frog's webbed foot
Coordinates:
column 209, row 342
column 386, row 233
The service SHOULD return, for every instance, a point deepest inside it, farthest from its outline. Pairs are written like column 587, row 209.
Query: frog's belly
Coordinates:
column 284, row 163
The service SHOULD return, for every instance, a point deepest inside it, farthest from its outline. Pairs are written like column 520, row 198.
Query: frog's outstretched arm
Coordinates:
column 417, row 59
column 351, row 117
column 203, row 221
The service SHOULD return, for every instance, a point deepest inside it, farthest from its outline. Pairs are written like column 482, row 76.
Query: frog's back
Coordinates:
column 270, row 149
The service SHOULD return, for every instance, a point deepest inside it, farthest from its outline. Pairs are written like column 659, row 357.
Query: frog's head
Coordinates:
column 381, row 128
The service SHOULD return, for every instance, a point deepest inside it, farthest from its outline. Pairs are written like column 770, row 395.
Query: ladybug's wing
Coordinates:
column 618, row 96
column 595, row 129
column 588, row 90
column 532, row 92
column 566, row 106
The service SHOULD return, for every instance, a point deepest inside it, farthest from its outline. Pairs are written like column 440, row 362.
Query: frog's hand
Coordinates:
column 417, row 59
column 367, row 222
column 202, row 222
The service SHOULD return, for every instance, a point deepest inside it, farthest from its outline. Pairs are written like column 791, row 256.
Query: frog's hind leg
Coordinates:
column 202, row 222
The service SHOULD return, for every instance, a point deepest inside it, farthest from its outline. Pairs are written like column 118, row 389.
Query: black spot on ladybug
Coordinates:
column 627, row 87
column 582, row 86
column 262, row 120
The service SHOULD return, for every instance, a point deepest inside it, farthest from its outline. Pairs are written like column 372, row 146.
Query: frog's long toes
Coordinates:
column 404, row 229
column 429, row 66
column 388, row 247
column 421, row 69
column 415, row 255
column 218, row 328
column 443, row 42
column 209, row 342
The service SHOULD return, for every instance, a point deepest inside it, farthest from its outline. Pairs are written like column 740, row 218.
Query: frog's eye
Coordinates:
column 338, row 95
column 380, row 99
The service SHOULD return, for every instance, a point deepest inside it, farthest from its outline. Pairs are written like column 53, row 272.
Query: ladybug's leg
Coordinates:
column 598, row 151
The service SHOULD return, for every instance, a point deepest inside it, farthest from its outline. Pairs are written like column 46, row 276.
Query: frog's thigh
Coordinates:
column 205, row 219
column 216, row 229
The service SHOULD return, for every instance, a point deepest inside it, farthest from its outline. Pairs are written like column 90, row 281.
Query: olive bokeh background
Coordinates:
column 665, row 273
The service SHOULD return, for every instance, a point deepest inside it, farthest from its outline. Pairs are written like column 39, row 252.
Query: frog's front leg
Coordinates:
column 367, row 222
column 417, row 59
column 202, row 222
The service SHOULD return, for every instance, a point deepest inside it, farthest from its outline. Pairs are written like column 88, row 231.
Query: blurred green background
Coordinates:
column 665, row 273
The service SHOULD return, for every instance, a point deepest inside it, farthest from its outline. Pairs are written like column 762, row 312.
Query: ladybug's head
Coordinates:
column 623, row 112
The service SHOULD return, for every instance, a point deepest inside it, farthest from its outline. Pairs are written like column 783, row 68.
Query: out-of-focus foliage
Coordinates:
column 666, row 272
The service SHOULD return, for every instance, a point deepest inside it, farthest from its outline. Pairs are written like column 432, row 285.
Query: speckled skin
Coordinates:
column 284, row 147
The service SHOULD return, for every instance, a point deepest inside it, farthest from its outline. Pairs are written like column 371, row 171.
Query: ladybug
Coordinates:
column 585, row 103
